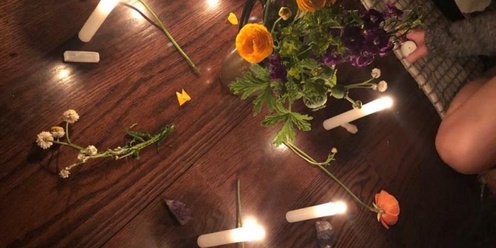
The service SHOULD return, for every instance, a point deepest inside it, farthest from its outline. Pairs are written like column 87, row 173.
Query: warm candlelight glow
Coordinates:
column 366, row 109
column 251, row 231
column 63, row 73
column 135, row 14
column 326, row 209
column 212, row 3
column 96, row 19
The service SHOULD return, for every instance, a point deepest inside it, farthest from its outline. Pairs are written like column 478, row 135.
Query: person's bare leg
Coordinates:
column 466, row 139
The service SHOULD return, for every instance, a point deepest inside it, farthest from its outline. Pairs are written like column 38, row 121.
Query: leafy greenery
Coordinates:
column 307, row 48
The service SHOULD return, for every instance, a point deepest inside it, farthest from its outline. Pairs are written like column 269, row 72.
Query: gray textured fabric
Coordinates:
column 471, row 36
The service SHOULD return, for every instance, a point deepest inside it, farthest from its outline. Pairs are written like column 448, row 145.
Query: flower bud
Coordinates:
column 285, row 13
column 338, row 91
column 57, row 132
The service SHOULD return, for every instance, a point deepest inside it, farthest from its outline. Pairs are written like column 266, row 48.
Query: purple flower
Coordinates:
column 277, row 70
column 377, row 41
column 372, row 19
column 331, row 56
column 363, row 59
column 353, row 38
column 392, row 12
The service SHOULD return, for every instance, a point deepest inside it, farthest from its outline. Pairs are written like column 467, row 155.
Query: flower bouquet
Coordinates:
column 295, row 51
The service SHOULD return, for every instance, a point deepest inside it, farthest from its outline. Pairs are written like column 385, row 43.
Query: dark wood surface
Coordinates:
column 109, row 203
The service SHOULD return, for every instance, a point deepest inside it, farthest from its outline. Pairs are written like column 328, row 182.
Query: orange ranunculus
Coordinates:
column 387, row 207
column 254, row 42
column 310, row 5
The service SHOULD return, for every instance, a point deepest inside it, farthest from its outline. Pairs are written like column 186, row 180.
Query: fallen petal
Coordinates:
column 182, row 97
column 232, row 19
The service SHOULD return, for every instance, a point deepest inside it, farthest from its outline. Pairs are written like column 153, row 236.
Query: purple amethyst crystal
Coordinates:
column 180, row 211
column 325, row 234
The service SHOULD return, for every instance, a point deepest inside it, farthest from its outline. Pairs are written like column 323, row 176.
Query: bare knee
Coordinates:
column 456, row 150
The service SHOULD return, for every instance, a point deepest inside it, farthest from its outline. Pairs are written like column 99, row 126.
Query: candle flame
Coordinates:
column 251, row 231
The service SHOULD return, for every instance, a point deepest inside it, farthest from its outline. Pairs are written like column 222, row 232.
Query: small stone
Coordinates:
column 181, row 212
column 325, row 234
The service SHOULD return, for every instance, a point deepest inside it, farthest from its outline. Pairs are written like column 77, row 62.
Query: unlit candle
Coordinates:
column 96, row 19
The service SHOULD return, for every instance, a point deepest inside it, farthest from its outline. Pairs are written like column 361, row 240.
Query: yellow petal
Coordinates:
column 182, row 97
column 232, row 19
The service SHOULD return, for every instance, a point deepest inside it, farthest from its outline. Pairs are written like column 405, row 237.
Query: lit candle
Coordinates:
column 249, row 232
column 96, row 19
column 366, row 109
column 326, row 209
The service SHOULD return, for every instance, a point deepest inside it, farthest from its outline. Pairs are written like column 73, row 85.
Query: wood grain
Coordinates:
column 109, row 203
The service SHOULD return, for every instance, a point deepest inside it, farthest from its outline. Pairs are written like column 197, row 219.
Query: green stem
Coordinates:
column 349, row 99
column 266, row 11
column 321, row 166
column 238, row 205
column 274, row 25
column 305, row 156
column 68, row 144
column 358, row 84
column 67, row 132
column 164, row 30
column 346, row 188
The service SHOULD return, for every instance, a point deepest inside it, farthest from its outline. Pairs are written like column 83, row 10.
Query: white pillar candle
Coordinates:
column 326, row 209
column 96, row 19
column 366, row 109
column 250, row 232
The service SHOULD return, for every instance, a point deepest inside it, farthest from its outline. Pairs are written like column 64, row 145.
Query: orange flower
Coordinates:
column 254, row 42
column 310, row 5
column 387, row 208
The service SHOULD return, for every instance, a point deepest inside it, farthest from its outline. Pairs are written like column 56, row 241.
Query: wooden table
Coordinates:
column 119, row 203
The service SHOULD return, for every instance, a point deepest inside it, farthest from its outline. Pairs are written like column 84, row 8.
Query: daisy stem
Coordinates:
column 346, row 188
column 166, row 32
column 349, row 86
column 305, row 156
column 69, row 144
column 67, row 132
column 321, row 166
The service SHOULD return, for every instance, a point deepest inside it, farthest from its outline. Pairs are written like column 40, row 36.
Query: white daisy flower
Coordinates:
column 44, row 140
column 64, row 173
column 376, row 73
column 91, row 150
column 82, row 157
column 70, row 116
column 57, row 132
column 382, row 86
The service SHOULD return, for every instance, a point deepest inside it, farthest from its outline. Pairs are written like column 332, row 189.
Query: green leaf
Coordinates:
column 291, row 121
column 253, row 81
column 286, row 133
